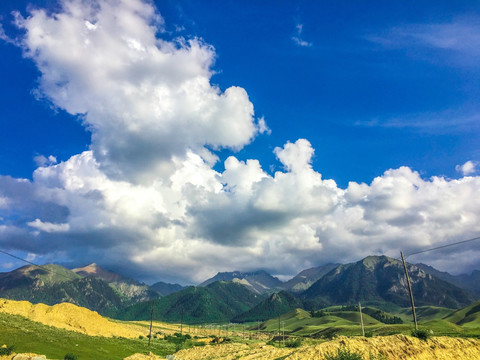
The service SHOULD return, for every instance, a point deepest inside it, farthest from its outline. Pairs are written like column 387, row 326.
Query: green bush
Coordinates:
column 343, row 353
column 294, row 343
column 70, row 356
column 422, row 334
column 7, row 350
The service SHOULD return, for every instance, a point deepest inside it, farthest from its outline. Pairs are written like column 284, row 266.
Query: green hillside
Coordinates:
column 468, row 317
column 53, row 284
column 425, row 313
column 29, row 336
column 34, row 276
column 301, row 323
column 217, row 302
column 275, row 305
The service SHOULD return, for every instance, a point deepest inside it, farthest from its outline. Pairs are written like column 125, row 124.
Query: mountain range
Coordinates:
column 240, row 296
column 259, row 282
column 380, row 279
column 469, row 282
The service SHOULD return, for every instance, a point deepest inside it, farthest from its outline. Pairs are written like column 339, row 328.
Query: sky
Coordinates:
column 171, row 140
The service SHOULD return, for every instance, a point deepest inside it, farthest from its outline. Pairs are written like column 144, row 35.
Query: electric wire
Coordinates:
column 443, row 246
column 39, row 266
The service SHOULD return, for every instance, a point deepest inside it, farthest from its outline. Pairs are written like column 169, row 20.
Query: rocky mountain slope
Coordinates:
column 382, row 279
column 259, row 282
column 130, row 291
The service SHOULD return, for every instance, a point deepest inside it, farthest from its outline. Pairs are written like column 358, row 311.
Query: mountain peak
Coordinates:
column 381, row 278
column 95, row 270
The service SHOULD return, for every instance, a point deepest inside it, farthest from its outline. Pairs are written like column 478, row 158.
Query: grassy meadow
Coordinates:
column 30, row 336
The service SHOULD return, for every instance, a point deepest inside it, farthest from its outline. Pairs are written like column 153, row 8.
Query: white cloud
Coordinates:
column 298, row 40
column 48, row 226
column 41, row 160
column 7, row 265
column 450, row 121
column 147, row 192
column 263, row 127
column 458, row 40
column 469, row 168
column 144, row 99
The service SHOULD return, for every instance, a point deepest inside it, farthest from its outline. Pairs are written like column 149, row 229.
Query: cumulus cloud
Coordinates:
column 147, row 191
column 145, row 99
column 469, row 168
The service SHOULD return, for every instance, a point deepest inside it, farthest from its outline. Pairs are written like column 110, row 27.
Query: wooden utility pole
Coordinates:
column 361, row 319
column 151, row 322
column 279, row 331
column 181, row 324
column 410, row 291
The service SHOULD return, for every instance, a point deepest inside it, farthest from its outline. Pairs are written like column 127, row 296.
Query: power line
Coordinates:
column 443, row 246
column 39, row 266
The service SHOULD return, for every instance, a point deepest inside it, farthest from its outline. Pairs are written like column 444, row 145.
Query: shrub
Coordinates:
column 294, row 343
column 343, row 353
column 70, row 356
column 140, row 337
column 422, row 334
column 6, row 350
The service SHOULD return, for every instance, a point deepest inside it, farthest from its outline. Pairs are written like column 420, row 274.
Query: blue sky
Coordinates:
column 371, row 86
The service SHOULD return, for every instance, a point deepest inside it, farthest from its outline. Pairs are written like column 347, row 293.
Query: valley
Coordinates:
column 235, row 313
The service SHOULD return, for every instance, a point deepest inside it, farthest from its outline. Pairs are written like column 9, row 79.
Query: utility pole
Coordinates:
column 410, row 291
column 151, row 322
column 283, row 326
column 278, row 331
column 361, row 318
column 181, row 324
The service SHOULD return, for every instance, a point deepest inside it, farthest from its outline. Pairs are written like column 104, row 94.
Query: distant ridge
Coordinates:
column 259, row 282
column 307, row 278
column 469, row 282
column 165, row 289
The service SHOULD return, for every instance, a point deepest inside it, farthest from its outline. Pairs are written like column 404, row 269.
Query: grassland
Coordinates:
column 30, row 336
column 464, row 323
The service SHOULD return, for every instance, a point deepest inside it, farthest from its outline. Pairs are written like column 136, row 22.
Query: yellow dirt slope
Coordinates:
column 70, row 317
column 396, row 347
